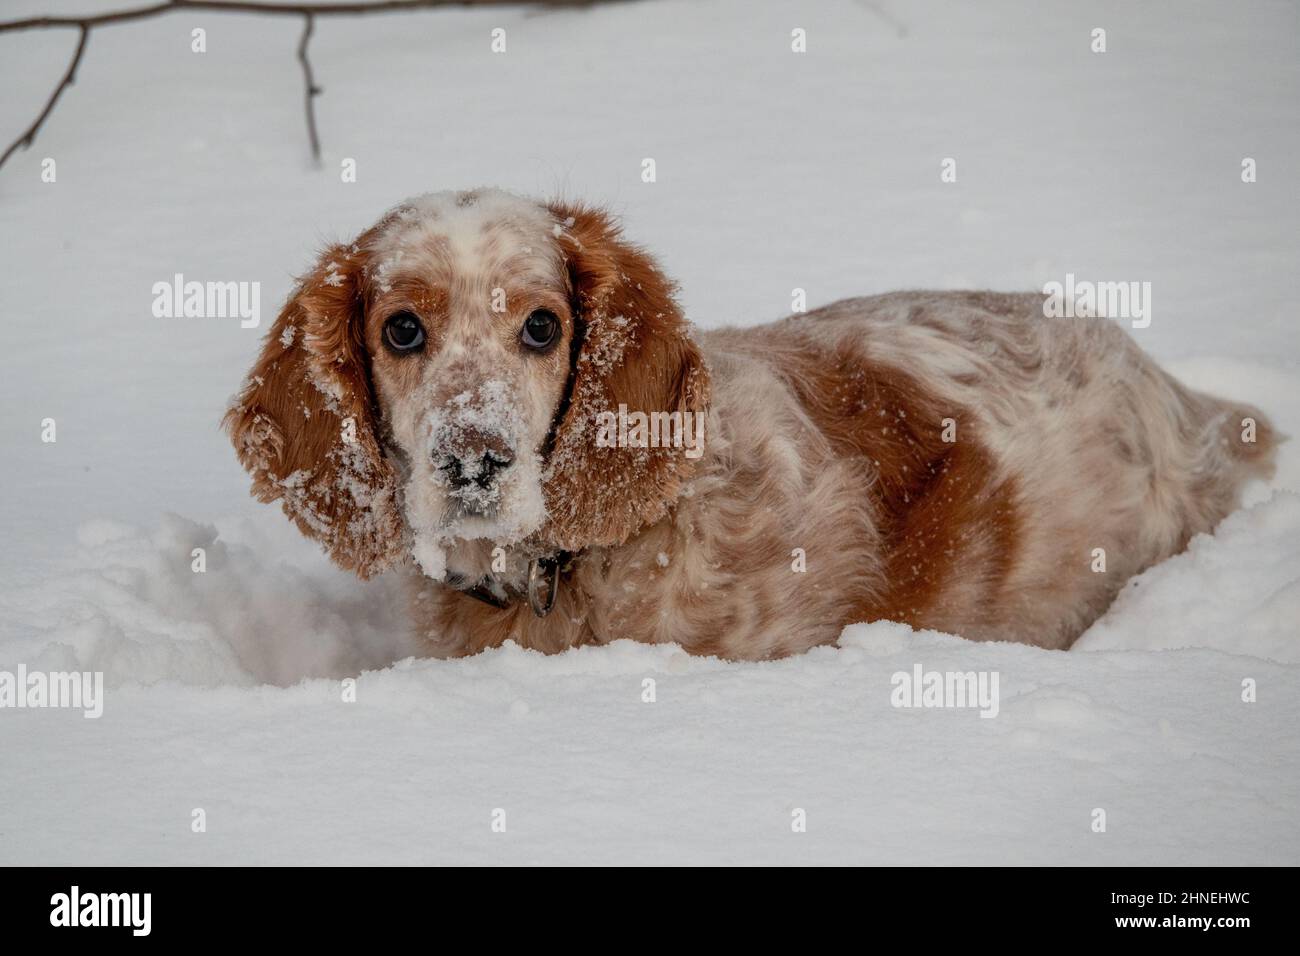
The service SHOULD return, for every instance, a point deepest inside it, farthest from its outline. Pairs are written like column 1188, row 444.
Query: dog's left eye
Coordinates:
column 403, row 332
column 539, row 329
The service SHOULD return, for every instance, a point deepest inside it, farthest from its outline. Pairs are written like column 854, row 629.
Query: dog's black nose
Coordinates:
column 480, row 470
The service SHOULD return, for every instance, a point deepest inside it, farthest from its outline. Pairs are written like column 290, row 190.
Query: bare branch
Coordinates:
column 238, row 6
column 69, row 78
column 309, row 11
column 312, row 89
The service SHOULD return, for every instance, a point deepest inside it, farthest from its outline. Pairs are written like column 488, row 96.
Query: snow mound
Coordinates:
column 1237, row 590
column 270, row 610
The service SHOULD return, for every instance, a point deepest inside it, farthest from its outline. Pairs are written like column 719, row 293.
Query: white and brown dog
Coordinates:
column 501, row 399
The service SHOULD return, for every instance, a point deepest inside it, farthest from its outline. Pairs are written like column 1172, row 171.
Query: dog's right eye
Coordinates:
column 403, row 332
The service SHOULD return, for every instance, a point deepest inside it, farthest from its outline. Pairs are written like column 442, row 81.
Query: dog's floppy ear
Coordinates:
column 303, row 424
column 635, row 351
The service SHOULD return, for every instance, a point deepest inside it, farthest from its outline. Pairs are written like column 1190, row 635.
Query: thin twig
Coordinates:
column 312, row 89
column 236, row 6
column 69, row 78
column 309, row 11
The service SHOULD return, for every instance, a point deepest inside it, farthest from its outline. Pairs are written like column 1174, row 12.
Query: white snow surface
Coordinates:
column 776, row 171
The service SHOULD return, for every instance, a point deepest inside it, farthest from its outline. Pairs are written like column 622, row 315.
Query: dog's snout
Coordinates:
column 479, row 469
column 472, row 442
column 469, row 457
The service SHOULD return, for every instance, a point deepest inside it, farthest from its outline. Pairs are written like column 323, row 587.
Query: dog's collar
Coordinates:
column 542, row 589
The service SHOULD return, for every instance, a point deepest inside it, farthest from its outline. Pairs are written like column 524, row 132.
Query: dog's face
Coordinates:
column 431, row 389
column 468, row 326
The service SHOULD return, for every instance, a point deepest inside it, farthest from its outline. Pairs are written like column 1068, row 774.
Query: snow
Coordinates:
column 430, row 552
column 1237, row 590
column 776, row 171
column 710, row 772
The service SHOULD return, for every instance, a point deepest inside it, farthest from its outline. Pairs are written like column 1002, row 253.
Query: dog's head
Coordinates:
column 437, row 387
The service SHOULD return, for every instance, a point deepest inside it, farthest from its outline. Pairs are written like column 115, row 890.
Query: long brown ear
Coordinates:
column 303, row 423
column 635, row 352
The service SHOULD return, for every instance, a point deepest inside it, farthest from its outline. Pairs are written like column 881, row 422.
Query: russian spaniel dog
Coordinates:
column 500, row 399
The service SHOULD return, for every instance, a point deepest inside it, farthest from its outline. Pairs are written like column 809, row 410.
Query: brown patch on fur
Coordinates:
column 945, row 521
column 303, row 424
column 635, row 351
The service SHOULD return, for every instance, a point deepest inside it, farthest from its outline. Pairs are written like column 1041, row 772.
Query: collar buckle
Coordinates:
column 543, row 584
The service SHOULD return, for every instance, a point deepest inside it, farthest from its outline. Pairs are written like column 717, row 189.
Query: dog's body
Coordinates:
column 955, row 461
column 825, row 434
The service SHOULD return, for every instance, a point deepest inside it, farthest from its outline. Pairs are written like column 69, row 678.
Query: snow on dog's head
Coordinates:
column 442, row 397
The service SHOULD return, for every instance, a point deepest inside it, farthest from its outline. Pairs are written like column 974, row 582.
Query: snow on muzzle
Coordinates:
column 481, row 479
column 473, row 441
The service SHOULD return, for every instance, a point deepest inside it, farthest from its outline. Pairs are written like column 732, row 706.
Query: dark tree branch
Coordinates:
column 69, row 78
column 237, row 6
column 312, row 89
column 309, row 11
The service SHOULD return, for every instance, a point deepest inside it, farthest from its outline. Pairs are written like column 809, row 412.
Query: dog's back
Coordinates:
column 1020, row 468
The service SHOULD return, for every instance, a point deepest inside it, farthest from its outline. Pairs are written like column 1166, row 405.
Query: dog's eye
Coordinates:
column 539, row 329
column 403, row 332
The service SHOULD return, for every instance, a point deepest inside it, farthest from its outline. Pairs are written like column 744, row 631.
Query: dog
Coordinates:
column 500, row 399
